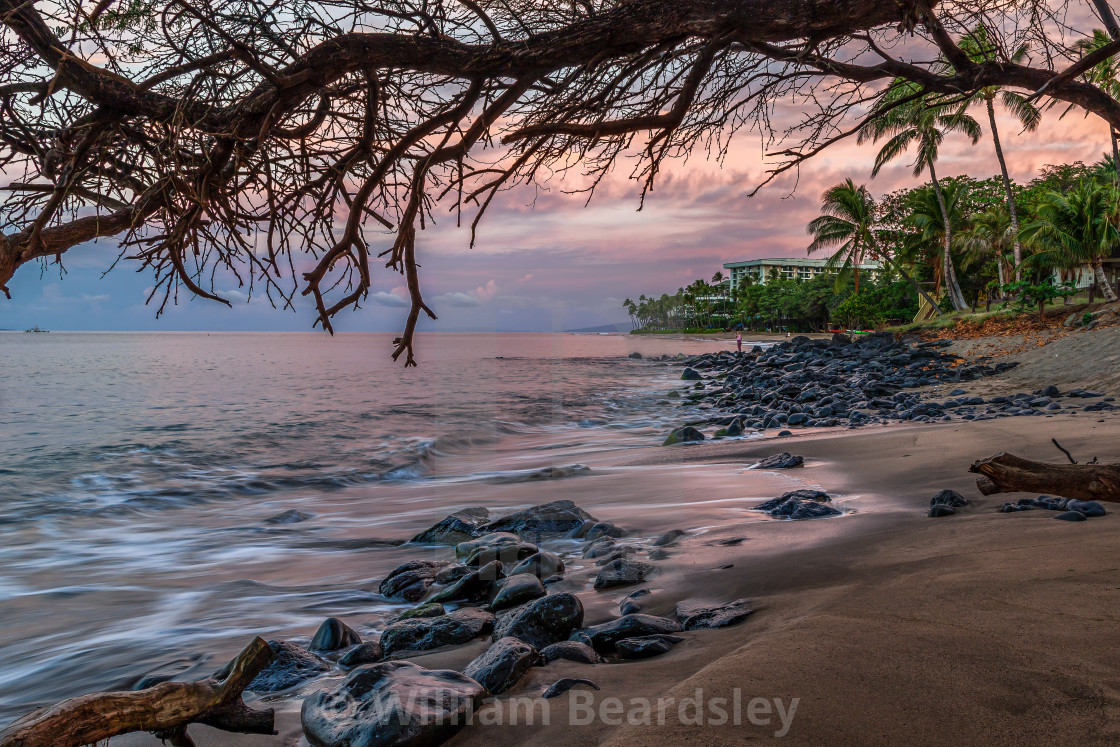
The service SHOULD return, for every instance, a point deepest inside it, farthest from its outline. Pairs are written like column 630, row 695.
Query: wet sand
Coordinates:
column 886, row 625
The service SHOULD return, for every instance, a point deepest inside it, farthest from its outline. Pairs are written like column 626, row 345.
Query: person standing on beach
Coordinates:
column 739, row 341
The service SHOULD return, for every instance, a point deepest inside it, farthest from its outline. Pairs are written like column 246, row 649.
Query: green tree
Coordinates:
column 907, row 117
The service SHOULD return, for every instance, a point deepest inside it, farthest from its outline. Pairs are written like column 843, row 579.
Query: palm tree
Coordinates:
column 993, row 234
column 847, row 223
column 980, row 48
column 910, row 118
column 933, row 215
column 1077, row 228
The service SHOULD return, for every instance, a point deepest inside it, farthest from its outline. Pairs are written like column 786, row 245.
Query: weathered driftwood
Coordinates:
column 1007, row 473
column 166, row 708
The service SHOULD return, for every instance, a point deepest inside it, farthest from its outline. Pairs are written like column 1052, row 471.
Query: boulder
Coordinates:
column 502, row 665
column 290, row 666
column 1071, row 516
column 516, row 590
column 412, row 580
column 793, row 495
column 426, row 633
column 467, row 548
column 691, row 374
column 950, row 498
column 457, row 527
column 559, row 687
column 365, row 653
column 785, row 460
column 603, row 529
column 541, row 564
column 635, row 356
column 623, row 572
column 429, row 609
column 645, row 646
column 509, row 553
column 1089, row 508
column 603, row 637
column 550, row 519
column 599, row 548
column 683, row 435
column 570, row 650
column 334, row 634
column 391, row 703
column 669, row 538
column 697, row 615
column 543, row 621
column 473, row 587
column 941, row 509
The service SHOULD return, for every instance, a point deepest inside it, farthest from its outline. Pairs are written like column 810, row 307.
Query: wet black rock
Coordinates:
column 550, row 519
column 334, row 634
column 570, row 650
column 543, row 621
column 1050, row 391
column 629, row 607
column 392, row 703
column 669, row 538
column 799, row 504
column 1046, row 502
column 617, row 552
column 541, row 564
column 698, row 615
column 635, row 356
column 502, row 665
column 690, row 374
column 794, row 495
column 603, row 529
column 509, row 554
column 516, row 590
column 785, row 460
column 1089, row 508
column 659, row 553
column 290, row 666
column 603, row 637
column 426, row 633
column 458, row 527
column 412, row 580
column 623, row 572
column 475, row 586
column 941, row 509
column 687, row 434
column 599, row 548
column 1010, row 508
column 289, row 517
column 1071, row 516
column 559, row 687
column 465, row 549
column 950, row 498
column 428, row 609
column 364, row 653
column 645, row 646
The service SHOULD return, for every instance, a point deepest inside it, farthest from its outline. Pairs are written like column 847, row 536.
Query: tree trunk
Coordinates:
column 1006, row 473
column 1102, row 281
column 166, row 708
column 950, row 274
column 1011, row 209
column 878, row 252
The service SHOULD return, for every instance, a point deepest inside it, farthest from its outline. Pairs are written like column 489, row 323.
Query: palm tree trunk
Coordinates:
column 1011, row 209
column 874, row 246
column 1102, row 281
column 955, row 295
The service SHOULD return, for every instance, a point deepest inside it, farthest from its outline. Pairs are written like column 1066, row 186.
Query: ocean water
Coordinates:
column 140, row 473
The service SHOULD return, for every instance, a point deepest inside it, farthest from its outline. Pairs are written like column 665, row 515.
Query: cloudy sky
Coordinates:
column 545, row 262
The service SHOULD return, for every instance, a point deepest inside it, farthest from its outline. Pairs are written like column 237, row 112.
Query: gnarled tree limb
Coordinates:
column 166, row 708
column 1007, row 473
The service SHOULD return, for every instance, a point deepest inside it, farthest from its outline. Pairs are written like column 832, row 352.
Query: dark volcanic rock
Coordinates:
column 334, row 634
column 799, row 504
column 515, row 590
column 558, row 517
column 669, row 538
column 950, row 498
column 465, row 549
column 623, row 572
column 1071, row 516
column 542, row 622
column 645, row 646
column 291, row 666
column 475, row 586
column 392, row 703
column 458, row 527
column 429, row 609
column 691, row 374
column 559, row 687
column 603, row 637
column 542, row 565
column 426, row 633
column 570, row 650
column 785, row 460
column 289, row 517
column 795, row 495
column 509, row 554
column 1010, row 508
column 696, row 615
column 603, row 529
column 683, row 435
column 412, row 580
column 1089, row 508
column 366, row 653
column 941, row 509
column 502, row 665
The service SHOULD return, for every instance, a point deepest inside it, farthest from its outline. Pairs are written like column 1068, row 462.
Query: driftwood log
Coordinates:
column 165, row 709
column 1007, row 473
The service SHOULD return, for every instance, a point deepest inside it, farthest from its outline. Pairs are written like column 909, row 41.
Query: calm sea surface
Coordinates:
column 139, row 472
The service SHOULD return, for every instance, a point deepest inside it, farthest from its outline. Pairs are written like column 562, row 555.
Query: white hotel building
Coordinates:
column 787, row 267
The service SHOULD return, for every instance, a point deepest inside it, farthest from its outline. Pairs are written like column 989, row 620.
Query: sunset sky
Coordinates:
column 558, row 265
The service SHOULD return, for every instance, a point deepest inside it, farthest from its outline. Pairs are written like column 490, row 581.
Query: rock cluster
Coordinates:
column 799, row 504
column 1071, row 509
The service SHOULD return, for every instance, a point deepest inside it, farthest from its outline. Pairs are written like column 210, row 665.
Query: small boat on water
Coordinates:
column 36, row 330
